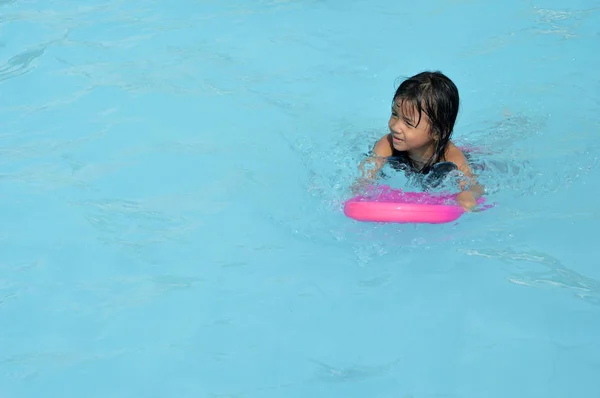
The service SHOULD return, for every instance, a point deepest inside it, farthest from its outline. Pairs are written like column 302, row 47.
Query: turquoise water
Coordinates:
column 172, row 176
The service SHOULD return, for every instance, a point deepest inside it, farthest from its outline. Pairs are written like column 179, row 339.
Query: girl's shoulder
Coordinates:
column 453, row 152
column 455, row 155
column 384, row 147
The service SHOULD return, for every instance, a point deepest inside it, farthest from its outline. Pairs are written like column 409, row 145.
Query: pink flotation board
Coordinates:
column 387, row 205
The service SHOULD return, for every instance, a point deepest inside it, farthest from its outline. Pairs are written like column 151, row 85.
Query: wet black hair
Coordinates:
column 436, row 95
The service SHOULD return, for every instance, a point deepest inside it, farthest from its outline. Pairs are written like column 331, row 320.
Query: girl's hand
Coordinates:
column 360, row 186
column 467, row 200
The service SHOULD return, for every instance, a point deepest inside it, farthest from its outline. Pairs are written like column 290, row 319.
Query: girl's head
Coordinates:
column 424, row 111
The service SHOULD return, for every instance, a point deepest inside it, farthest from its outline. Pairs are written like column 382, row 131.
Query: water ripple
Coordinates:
column 331, row 374
column 563, row 23
column 555, row 274
column 21, row 63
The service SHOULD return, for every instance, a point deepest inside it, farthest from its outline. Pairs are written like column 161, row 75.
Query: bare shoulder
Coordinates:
column 455, row 155
column 383, row 147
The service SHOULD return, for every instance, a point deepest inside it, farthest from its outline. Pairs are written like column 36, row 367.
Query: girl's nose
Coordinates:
column 396, row 126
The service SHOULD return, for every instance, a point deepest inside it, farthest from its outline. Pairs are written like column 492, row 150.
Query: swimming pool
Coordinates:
column 172, row 178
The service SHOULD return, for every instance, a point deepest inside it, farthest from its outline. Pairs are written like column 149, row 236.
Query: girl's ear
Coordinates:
column 433, row 136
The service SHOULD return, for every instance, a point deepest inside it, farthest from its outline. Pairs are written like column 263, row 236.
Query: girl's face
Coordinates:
column 409, row 134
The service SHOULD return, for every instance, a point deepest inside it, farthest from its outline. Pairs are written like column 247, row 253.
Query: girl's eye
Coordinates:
column 408, row 123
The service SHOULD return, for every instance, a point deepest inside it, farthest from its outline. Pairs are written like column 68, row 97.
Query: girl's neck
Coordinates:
column 422, row 155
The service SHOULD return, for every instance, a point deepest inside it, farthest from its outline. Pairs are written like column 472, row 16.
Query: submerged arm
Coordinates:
column 373, row 163
column 471, row 189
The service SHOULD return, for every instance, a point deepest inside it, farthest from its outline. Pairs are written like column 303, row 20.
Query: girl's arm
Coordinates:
column 468, row 197
column 373, row 163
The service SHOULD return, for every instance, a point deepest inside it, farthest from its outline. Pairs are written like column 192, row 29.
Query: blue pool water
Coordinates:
column 172, row 175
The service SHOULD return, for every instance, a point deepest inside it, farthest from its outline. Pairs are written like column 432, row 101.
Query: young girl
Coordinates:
column 424, row 111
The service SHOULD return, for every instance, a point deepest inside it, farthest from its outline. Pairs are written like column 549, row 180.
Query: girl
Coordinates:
column 424, row 111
